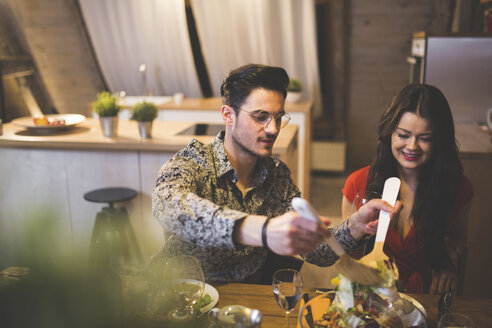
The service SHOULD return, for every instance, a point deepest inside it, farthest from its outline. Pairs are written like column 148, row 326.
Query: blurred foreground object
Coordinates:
column 53, row 289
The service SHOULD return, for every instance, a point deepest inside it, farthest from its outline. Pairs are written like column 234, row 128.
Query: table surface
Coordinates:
column 261, row 297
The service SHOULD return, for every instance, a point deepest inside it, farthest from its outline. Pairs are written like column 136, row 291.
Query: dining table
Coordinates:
column 261, row 297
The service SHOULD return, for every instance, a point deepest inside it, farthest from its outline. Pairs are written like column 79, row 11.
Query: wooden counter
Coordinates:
column 476, row 156
column 88, row 135
column 49, row 174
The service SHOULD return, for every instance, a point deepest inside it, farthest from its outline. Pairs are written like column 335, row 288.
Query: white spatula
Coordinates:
column 390, row 193
column 346, row 265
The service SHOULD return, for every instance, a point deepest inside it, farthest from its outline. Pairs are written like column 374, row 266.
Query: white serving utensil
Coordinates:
column 346, row 265
column 390, row 193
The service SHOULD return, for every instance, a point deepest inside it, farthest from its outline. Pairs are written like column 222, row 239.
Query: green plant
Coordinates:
column 144, row 112
column 294, row 85
column 106, row 105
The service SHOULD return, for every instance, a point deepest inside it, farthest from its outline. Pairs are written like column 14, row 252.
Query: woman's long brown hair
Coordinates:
column 440, row 177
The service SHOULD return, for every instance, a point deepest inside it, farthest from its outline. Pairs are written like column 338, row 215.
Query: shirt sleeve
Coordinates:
column 177, row 206
column 323, row 254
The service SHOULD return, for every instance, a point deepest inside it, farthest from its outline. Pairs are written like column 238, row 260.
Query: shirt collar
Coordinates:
column 224, row 166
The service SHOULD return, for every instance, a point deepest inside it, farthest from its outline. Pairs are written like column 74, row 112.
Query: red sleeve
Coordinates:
column 355, row 182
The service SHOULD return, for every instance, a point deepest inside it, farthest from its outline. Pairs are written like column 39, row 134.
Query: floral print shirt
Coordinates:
column 197, row 202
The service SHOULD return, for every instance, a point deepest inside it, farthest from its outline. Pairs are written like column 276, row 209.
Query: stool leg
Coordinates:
column 130, row 237
column 98, row 255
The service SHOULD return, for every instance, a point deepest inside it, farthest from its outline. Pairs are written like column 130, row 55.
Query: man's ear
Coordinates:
column 228, row 115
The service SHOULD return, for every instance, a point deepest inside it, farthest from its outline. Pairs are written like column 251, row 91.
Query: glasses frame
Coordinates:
column 254, row 116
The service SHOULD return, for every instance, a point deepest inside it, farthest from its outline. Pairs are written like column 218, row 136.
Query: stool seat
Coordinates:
column 113, row 240
column 110, row 195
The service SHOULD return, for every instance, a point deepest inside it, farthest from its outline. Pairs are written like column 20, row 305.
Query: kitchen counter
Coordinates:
column 49, row 175
column 88, row 135
column 475, row 140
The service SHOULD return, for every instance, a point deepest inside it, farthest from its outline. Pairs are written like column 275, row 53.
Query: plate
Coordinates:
column 70, row 120
column 210, row 290
column 214, row 294
column 317, row 306
column 415, row 303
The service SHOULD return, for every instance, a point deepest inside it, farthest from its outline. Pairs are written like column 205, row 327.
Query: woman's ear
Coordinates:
column 228, row 115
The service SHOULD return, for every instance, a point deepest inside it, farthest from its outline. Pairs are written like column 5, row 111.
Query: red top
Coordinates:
column 409, row 255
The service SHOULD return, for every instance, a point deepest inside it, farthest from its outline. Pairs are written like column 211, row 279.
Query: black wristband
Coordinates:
column 264, row 234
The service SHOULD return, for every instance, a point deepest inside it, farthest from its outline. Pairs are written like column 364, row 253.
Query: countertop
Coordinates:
column 88, row 135
column 214, row 103
column 474, row 140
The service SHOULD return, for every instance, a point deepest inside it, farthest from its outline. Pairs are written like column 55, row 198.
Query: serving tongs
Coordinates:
column 390, row 193
column 345, row 265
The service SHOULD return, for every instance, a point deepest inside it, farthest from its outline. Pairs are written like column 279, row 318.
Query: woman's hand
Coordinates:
column 442, row 282
column 365, row 220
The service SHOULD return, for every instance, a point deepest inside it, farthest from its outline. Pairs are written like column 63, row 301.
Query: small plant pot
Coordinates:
column 145, row 129
column 109, row 126
column 293, row 97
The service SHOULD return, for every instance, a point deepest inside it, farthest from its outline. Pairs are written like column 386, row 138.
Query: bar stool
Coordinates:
column 113, row 240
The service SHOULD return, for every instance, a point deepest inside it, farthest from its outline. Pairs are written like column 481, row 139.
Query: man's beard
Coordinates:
column 238, row 143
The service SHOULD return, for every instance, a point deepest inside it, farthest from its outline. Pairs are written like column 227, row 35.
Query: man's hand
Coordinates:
column 291, row 234
column 365, row 220
column 287, row 234
column 442, row 282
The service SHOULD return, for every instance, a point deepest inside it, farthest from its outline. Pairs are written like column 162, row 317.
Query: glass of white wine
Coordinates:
column 455, row 320
column 287, row 289
column 185, row 284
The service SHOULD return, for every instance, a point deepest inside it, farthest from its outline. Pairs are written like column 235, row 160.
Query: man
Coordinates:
column 228, row 202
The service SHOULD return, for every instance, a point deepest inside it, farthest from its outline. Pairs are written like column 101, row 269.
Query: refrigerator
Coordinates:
column 460, row 66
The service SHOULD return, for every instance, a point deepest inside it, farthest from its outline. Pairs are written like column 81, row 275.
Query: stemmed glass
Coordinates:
column 362, row 198
column 287, row 289
column 455, row 320
column 185, row 286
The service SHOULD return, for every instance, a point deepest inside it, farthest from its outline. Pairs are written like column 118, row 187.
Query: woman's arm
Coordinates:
column 346, row 208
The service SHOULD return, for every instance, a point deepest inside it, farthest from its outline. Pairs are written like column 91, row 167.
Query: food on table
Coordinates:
column 46, row 121
column 356, row 305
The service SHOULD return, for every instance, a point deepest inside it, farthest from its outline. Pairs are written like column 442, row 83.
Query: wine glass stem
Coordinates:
column 286, row 319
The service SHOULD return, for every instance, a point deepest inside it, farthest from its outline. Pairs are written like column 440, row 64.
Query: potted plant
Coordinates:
column 294, row 90
column 144, row 113
column 107, row 107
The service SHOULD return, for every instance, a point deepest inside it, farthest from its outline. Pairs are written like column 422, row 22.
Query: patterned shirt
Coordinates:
column 198, row 203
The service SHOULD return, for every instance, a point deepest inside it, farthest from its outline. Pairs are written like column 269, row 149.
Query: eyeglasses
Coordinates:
column 262, row 118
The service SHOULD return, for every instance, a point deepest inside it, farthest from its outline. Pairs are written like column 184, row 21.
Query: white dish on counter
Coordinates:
column 70, row 121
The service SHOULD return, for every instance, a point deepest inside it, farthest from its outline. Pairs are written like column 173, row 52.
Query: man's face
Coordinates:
column 248, row 135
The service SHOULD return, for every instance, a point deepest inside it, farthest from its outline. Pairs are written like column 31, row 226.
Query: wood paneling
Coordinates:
column 61, row 50
column 379, row 42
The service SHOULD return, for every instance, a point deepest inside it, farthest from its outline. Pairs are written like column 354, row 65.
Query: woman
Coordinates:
column 417, row 144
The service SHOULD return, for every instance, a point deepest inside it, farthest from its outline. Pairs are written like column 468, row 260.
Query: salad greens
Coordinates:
column 353, row 305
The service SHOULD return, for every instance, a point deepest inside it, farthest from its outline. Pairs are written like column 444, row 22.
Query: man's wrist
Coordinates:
column 249, row 231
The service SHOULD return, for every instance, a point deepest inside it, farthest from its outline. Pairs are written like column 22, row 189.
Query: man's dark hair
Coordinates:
column 237, row 86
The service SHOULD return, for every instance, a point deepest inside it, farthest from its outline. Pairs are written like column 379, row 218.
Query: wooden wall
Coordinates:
column 61, row 50
column 379, row 43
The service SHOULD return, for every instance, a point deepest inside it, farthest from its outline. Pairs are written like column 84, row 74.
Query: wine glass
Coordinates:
column 362, row 198
column 287, row 289
column 185, row 286
column 455, row 320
